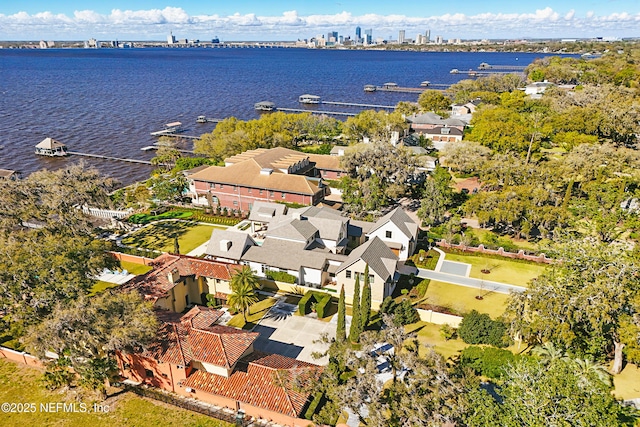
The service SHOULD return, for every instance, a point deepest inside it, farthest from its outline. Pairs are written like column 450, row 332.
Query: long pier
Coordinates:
column 400, row 89
column 175, row 135
column 485, row 66
column 352, row 104
column 100, row 156
column 300, row 110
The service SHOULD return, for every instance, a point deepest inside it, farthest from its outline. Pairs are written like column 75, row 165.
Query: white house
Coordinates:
column 398, row 231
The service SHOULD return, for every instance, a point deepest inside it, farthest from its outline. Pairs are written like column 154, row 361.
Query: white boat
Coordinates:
column 425, row 83
column 309, row 99
column 454, row 71
column 201, row 119
column 369, row 88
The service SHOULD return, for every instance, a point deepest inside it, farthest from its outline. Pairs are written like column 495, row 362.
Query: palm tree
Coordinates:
column 588, row 370
column 243, row 291
column 245, row 277
column 548, row 352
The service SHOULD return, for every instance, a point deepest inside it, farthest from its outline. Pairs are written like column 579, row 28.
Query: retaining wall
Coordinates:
column 134, row 259
column 20, row 357
column 439, row 318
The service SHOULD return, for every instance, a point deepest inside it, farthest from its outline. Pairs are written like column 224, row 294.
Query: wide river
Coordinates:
column 107, row 101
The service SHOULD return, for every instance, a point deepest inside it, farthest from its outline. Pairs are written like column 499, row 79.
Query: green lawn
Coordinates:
column 627, row 382
column 505, row 270
column 462, row 299
column 255, row 313
column 20, row 384
column 100, row 286
column 160, row 236
column 428, row 334
column 137, row 269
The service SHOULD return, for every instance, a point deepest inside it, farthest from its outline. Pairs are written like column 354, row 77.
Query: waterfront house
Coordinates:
column 195, row 356
column 276, row 174
column 441, row 135
column 52, row 148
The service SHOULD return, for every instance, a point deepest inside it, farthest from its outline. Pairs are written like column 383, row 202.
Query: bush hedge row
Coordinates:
column 321, row 300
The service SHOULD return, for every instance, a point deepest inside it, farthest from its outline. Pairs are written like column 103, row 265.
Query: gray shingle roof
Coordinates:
column 377, row 255
column 235, row 241
column 288, row 255
column 397, row 216
column 296, row 229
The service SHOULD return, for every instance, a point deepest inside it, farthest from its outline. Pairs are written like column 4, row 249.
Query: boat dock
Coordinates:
column 156, row 146
column 485, row 66
column 352, row 104
column 300, row 110
column 386, row 88
column 100, row 156
column 174, row 135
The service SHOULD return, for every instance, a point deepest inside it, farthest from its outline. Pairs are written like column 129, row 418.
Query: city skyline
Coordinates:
column 292, row 20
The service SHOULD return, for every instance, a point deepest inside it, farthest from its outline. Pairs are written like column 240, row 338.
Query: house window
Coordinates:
column 371, row 278
column 270, row 193
column 260, row 192
column 235, row 188
column 348, row 274
column 221, row 186
column 235, row 203
column 214, row 199
column 249, row 206
column 263, row 268
column 249, row 190
column 338, row 174
column 284, row 195
column 388, row 234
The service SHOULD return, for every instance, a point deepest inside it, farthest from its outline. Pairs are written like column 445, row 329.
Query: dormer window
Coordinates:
column 388, row 234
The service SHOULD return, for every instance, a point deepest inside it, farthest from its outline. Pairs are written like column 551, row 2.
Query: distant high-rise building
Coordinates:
column 427, row 36
column 420, row 39
column 332, row 37
column 401, row 36
column 171, row 39
column 368, row 36
column 439, row 40
column 358, row 33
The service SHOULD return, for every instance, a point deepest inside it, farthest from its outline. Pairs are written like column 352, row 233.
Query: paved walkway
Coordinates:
column 470, row 282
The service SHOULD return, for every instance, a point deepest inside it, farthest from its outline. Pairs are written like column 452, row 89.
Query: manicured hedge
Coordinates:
column 321, row 299
column 280, row 276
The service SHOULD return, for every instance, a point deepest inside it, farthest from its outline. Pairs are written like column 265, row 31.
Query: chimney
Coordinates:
column 173, row 275
column 225, row 245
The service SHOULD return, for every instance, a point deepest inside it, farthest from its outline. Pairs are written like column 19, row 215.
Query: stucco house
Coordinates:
column 179, row 281
column 196, row 357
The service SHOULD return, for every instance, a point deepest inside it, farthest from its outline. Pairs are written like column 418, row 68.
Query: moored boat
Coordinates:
column 264, row 106
column 309, row 99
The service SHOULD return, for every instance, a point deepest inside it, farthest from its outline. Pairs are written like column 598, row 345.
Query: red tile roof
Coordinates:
column 194, row 336
column 220, row 345
column 155, row 284
column 268, row 381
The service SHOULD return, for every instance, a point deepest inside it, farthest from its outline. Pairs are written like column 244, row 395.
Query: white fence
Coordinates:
column 106, row 213
column 439, row 318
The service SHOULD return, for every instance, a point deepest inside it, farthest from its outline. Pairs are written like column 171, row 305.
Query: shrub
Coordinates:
column 320, row 299
column 447, row 332
column 405, row 314
column 280, row 276
column 487, row 361
column 388, row 305
column 422, row 287
column 479, row 328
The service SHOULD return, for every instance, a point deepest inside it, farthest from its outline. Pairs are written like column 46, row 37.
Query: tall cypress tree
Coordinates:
column 341, row 329
column 355, row 330
column 365, row 304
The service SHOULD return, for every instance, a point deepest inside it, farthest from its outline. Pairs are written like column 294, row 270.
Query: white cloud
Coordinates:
column 156, row 23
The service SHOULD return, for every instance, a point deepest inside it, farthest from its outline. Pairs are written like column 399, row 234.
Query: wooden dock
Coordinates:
column 100, row 156
column 400, row 89
column 352, row 104
column 175, row 135
column 300, row 110
column 485, row 66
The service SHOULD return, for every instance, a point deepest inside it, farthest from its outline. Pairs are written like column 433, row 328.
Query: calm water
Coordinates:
column 107, row 101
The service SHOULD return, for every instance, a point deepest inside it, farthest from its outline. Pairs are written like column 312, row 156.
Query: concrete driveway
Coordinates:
column 284, row 333
column 503, row 288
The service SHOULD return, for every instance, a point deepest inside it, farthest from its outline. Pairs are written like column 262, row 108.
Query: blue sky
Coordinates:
column 291, row 20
